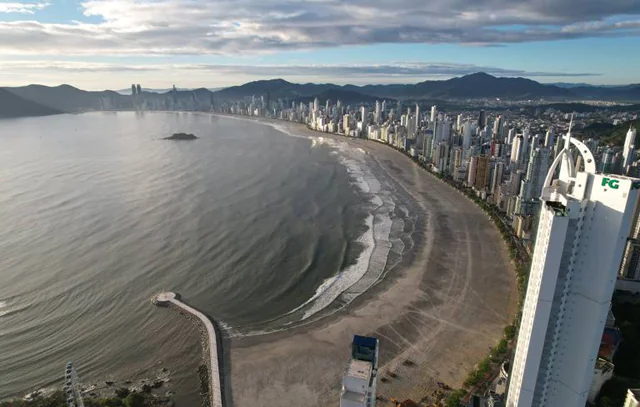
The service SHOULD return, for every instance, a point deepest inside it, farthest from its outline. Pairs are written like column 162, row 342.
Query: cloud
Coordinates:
column 22, row 8
column 72, row 67
column 401, row 70
column 173, row 27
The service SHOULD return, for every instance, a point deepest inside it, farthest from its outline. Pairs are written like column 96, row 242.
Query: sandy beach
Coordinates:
column 442, row 308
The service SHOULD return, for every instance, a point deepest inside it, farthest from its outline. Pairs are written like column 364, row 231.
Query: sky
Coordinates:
column 109, row 44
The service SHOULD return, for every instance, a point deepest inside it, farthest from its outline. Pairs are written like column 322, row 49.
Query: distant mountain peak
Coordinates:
column 479, row 75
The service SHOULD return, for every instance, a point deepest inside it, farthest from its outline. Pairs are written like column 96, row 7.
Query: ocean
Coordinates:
column 262, row 229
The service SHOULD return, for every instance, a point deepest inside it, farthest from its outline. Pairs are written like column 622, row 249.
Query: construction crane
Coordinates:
column 72, row 387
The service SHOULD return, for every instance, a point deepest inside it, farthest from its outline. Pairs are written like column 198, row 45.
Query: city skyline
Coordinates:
column 102, row 44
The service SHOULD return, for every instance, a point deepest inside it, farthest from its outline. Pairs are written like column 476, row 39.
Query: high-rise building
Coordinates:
column 467, row 129
column 585, row 219
column 482, row 173
column 531, row 188
column 524, row 155
column 457, row 157
column 630, row 266
column 515, row 185
column 606, row 166
column 511, row 135
column 497, row 127
column 482, row 119
column 364, row 113
column 516, row 151
column 434, row 114
column 632, row 399
column 496, row 179
column 345, row 123
column 441, row 156
column 384, row 106
column 459, row 123
column 550, row 138
column 360, row 380
column 377, row 113
column 629, row 150
column 316, row 105
column 417, row 127
column 473, row 166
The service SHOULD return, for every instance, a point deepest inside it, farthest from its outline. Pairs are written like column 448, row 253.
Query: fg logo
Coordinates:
column 613, row 183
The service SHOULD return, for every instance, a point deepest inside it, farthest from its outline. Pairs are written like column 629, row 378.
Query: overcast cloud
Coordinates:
column 166, row 27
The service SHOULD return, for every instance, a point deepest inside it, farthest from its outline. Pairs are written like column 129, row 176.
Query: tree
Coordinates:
column 134, row 400
column 502, row 347
column 122, row 392
column 112, row 402
column 510, row 332
column 455, row 398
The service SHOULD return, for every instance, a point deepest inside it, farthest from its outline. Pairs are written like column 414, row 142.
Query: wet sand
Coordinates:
column 442, row 308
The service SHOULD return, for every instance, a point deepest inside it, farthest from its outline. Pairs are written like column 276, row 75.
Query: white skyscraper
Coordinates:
column 550, row 138
column 417, row 117
column 516, row 151
column 364, row 112
column 497, row 128
column 316, row 105
column 434, row 113
column 511, row 135
column 585, row 219
column 629, row 149
column 377, row 113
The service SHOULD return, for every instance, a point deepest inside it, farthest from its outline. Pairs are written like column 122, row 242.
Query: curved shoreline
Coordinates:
column 456, row 287
column 384, row 233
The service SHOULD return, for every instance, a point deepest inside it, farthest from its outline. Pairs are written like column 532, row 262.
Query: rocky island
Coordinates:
column 181, row 136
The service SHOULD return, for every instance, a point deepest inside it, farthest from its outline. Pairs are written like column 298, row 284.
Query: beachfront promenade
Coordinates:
column 172, row 299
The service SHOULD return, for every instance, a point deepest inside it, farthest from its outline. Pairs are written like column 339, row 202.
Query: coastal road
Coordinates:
column 442, row 308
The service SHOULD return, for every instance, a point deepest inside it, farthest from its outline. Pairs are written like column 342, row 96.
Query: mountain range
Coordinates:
column 65, row 98
column 12, row 105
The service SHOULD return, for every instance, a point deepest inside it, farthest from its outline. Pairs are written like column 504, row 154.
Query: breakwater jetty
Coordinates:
column 171, row 299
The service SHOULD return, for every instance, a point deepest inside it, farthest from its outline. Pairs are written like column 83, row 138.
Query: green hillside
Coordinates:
column 616, row 136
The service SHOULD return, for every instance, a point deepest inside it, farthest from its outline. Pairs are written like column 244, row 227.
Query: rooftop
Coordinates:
column 359, row 369
column 353, row 396
column 604, row 365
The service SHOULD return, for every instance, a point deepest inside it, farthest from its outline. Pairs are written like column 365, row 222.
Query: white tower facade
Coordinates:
column 585, row 219
column 434, row 113
column 629, row 149
column 364, row 112
column 550, row 138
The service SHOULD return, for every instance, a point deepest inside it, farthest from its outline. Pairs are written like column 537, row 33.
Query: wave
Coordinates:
column 3, row 304
column 346, row 278
column 376, row 242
